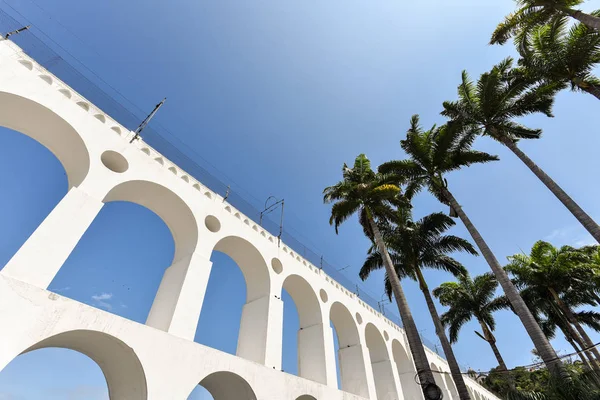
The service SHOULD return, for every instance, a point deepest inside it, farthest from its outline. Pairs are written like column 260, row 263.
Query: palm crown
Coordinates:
column 498, row 97
column 432, row 154
column 364, row 191
column 469, row 298
column 554, row 53
column 559, row 269
column 532, row 13
column 418, row 244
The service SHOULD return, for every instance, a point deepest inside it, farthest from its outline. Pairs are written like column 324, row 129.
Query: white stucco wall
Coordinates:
column 375, row 362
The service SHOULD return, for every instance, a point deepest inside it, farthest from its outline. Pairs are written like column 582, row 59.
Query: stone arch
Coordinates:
column 224, row 385
column 350, row 354
column 406, row 371
column 50, row 130
column 311, row 348
column 167, row 205
column 381, row 364
column 120, row 365
column 251, row 263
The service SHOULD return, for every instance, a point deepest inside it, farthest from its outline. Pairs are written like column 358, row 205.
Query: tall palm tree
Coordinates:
column 554, row 273
column 532, row 13
column 472, row 298
column 441, row 150
column 414, row 245
column 491, row 106
column 373, row 196
column 554, row 53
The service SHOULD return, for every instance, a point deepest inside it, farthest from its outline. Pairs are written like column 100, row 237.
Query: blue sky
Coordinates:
column 276, row 96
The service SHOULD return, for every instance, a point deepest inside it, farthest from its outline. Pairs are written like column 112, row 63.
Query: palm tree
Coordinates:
column 532, row 13
column 472, row 298
column 432, row 154
column 491, row 106
column 373, row 196
column 554, row 319
column 554, row 54
column 417, row 245
column 556, row 274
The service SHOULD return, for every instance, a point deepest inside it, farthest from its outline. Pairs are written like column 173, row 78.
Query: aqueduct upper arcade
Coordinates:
column 159, row 360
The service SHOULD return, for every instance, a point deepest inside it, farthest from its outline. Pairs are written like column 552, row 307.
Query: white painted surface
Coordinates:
column 159, row 360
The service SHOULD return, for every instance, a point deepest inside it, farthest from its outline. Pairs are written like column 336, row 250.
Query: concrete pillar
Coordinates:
column 312, row 363
column 353, row 372
column 261, row 330
column 384, row 380
column 178, row 302
column 330, row 357
column 38, row 261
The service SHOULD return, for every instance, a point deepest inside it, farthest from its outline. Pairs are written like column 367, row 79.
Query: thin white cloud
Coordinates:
column 573, row 235
column 101, row 300
column 103, row 296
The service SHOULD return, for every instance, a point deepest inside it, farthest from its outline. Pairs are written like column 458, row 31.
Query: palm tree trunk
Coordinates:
column 540, row 341
column 491, row 339
column 588, row 223
column 457, row 376
column 571, row 318
column 412, row 334
column 586, row 19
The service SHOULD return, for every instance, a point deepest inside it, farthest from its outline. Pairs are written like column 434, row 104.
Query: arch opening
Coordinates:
column 351, row 364
column 122, row 371
column 125, row 241
column 231, row 300
column 34, row 191
column 50, row 130
column 306, row 397
column 380, row 364
column 310, row 344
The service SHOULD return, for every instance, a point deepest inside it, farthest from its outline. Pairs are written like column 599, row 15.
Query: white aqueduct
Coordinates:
column 159, row 360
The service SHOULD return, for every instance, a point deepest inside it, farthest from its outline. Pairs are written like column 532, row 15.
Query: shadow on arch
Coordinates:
column 120, row 365
column 50, row 130
column 381, row 364
column 224, row 385
column 350, row 354
column 406, row 371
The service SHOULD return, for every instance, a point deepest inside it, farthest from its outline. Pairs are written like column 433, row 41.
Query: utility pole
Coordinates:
column 269, row 209
column 17, row 31
column 146, row 121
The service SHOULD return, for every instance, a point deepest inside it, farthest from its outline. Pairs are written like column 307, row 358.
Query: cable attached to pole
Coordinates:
column 146, row 121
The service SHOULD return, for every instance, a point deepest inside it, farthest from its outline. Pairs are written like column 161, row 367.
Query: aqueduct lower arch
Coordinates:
column 165, row 359
column 120, row 365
